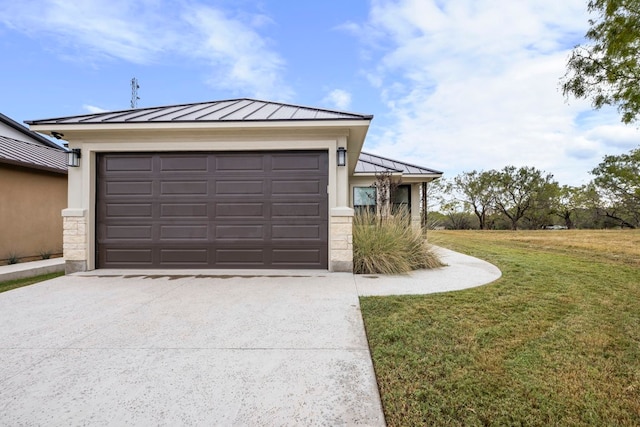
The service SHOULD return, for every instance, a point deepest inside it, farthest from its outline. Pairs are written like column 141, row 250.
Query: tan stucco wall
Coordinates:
column 30, row 205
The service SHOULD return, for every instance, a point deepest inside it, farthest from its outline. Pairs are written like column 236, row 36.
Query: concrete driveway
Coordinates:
column 114, row 348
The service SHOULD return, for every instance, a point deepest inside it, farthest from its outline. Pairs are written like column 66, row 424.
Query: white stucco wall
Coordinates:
column 82, row 180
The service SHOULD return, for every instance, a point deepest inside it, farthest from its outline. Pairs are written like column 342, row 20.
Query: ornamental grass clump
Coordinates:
column 389, row 245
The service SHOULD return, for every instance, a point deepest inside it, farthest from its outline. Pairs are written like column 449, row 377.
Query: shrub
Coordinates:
column 389, row 245
column 13, row 258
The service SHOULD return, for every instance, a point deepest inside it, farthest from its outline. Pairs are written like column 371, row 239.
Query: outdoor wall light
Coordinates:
column 342, row 156
column 73, row 157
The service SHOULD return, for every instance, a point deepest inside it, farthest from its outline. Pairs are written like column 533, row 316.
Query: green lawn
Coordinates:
column 13, row 284
column 555, row 341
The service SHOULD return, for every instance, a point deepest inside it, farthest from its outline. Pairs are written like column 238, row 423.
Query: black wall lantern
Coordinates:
column 73, row 157
column 342, row 156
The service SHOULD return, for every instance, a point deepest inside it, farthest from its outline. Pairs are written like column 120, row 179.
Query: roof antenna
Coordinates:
column 134, row 92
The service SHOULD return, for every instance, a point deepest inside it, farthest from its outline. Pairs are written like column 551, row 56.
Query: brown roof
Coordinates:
column 28, row 133
column 231, row 110
column 32, row 155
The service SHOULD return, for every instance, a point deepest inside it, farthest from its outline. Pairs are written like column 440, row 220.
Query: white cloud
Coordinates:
column 148, row 31
column 338, row 98
column 240, row 58
column 93, row 109
column 474, row 84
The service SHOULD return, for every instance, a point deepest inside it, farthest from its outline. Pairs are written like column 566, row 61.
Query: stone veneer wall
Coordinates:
column 74, row 245
column 341, row 241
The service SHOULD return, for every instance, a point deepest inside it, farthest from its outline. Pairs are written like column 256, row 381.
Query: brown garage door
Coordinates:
column 212, row 210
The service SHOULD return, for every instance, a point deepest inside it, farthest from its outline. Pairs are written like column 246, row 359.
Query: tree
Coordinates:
column 458, row 215
column 566, row 203
column 607, row 69
column 475, row 189
column 385, row 187
column 518, row 190
column 542, row 204
column 430, row 194
column 618, row 181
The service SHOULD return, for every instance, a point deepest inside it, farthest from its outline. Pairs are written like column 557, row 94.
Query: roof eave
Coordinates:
column 26, row 131
column 110, row 126
column 411, row 177
column 34, row 166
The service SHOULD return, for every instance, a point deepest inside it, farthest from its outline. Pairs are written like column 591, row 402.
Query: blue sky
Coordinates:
column 454, row 85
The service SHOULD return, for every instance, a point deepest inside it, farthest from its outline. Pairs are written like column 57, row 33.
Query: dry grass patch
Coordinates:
column 614, row 245
column 389, row 245
column 556, row 341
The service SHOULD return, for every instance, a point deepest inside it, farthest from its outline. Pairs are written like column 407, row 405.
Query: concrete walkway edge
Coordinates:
column 461, row 272
column 25, row 270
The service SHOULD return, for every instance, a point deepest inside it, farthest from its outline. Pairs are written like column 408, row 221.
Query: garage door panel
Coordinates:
column 296, row 232
column 127, row 163
column 240, row 232
column 296, row 163
column 182, row 163
column 127, row 210
column 236, row 163
column 129, row 188
column 235, row 188
column 184, row 188
column 296, row 187
column 212, row 210
column 183, row 257
column 240, row 257
column 240, row 210
column 184, row 210
column 297, row 210
column 289, row 257
column 129, row 232
column 184, row 232
column 129, row 256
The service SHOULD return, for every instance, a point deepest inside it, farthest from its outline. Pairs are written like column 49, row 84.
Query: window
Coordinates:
column 364, row 198
column 401, row 198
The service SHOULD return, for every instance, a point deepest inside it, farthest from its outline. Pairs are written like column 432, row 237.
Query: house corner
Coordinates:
column 341, row 240
column 74, row 244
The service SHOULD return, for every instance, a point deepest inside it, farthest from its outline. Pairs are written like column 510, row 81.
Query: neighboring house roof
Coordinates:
column 32, row 155
column 232, row 110
column 370, row 164
column 33, row 136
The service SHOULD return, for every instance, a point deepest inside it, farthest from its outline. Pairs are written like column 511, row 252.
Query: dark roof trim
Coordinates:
column 33, row 166
column 24, row 130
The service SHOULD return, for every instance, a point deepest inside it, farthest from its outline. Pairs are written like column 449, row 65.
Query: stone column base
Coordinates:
column 74, row 240
column 74, row 266
column 341, row 240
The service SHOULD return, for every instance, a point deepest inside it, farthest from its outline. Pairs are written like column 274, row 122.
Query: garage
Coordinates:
column 229, row 184
column 240, row 210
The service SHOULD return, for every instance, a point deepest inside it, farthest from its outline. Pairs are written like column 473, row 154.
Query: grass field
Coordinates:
column 13, row 284
column 555, row 341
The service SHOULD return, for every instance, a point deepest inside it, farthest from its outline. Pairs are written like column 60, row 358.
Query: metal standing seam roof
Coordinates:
column 232, row 110
column 33, row 155
column 372, row 164
column 28, row 133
